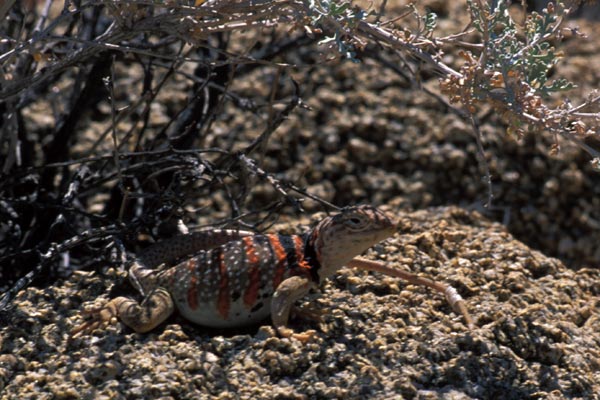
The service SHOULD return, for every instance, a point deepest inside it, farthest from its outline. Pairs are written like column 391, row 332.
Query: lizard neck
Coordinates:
column 311, row 256
column 323, row 261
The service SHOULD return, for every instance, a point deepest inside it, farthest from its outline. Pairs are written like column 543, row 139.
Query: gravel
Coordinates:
column 537, row 335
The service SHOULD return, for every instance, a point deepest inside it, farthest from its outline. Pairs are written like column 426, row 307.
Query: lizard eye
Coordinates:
column 355, row 220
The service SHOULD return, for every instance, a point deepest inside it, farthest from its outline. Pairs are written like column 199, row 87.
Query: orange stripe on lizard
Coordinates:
column 253, row 263
column 224, row 299
column 192, row 292
column 280, row 259
column 299, row 246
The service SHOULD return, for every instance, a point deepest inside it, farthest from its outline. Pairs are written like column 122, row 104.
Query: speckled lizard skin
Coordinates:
column 235, row 278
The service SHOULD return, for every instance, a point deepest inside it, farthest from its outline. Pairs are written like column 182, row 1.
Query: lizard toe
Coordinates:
column 305, row 336
column 96, row 318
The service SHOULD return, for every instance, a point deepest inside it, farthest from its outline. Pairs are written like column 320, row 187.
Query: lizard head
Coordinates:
column 340, row 238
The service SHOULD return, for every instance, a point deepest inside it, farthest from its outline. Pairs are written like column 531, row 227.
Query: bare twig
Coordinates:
column 482, row 159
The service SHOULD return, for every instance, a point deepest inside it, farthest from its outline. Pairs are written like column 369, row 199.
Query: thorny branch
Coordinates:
column 195, row 24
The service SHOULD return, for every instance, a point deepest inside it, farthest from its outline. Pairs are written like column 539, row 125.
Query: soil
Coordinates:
column 528, row 268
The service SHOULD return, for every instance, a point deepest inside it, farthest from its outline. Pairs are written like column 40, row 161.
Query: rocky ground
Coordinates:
column 527, row 268
column 537, row 333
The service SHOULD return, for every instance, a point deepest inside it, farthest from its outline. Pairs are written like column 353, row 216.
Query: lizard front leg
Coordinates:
column 456, row 301
column 144, row 317
column 286, row 294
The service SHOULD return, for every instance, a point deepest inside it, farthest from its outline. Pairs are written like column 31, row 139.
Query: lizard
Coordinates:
column 232, row 278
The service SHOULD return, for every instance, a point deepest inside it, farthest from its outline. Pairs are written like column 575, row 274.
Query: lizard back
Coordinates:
column 232, row 285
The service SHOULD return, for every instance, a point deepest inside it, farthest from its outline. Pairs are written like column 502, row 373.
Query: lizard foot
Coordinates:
column 303, row 337
column 98, row 317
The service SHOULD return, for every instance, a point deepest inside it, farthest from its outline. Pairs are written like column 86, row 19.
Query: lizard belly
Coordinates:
column 210, row 314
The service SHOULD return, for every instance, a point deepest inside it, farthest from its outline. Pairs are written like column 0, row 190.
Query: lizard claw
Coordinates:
column 98, row 317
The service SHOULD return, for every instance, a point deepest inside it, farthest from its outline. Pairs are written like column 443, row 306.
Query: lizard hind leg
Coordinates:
column 153, row 311
column 141, row 317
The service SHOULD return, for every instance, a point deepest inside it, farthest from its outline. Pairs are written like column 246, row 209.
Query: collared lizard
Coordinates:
column 234, row 278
